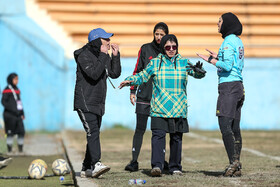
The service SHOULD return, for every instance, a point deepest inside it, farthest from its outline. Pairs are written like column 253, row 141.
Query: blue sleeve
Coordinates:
column 226, row 59
column 143, row 76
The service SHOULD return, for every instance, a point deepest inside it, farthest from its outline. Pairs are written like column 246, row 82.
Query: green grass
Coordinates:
column 19, row 167
column 202, row 161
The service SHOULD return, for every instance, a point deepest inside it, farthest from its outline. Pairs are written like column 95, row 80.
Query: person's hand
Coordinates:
column 199, row 65
column 211, row 53
column 202, row 56
column 209, row 59
column 22, row 117
column 132, row 98
column 124, row 83
column 104, row 49
column 115, row 49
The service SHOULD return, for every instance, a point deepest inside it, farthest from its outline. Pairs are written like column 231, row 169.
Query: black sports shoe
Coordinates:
column 84, row 172
column 132, row 166
column 166, row 166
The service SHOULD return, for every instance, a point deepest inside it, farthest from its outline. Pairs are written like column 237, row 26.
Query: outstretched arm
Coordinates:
column 124, row 83
column 212, row 58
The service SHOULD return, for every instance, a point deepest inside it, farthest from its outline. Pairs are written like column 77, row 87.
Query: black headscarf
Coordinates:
column 10, row 79
column 94, row 46
column 168, row 37
column 230, row 25
column 162, row 26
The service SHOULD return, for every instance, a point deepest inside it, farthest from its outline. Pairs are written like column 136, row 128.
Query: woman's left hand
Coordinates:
column 124, row 83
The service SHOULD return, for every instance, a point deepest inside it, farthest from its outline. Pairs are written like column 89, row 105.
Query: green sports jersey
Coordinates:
column 170, row 78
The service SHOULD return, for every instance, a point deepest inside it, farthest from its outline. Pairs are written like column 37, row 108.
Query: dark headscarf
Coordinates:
column 10, row 80
column 94, row 46
column 230, row 25
column 162, row 26
column 168, row 37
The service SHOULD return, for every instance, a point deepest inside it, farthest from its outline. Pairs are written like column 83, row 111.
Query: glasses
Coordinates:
column 168, row 47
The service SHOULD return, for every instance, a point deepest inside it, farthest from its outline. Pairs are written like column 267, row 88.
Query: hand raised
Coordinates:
column 124, row 83
column 115, row 49
column 212, row 53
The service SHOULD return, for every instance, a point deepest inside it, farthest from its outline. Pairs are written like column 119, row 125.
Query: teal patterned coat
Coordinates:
column 170, row 78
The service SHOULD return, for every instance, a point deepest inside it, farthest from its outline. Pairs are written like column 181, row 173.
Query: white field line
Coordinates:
column 255, row 152
column 188, row 159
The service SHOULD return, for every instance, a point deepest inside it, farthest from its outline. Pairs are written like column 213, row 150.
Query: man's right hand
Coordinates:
column 132, row 99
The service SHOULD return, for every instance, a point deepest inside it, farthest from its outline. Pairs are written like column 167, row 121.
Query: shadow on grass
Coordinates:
column 212, row 173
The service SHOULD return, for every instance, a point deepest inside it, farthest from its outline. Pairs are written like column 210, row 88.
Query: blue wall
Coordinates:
column 260, row 110
column 47, row 79
column 39, row 61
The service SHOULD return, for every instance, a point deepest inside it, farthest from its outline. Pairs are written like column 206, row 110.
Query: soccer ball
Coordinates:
column 36, row 170
column 41, row 162
column 60, row 167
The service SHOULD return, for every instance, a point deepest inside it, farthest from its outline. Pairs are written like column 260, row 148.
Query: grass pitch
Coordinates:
column 203, row 159
column 19, row 168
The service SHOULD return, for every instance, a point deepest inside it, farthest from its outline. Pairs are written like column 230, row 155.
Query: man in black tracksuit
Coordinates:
column 13, row 113
column 94, row 66
column 144, row 92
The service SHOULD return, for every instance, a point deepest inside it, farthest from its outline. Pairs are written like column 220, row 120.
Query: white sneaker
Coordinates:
column 156, row 172
column 5, row 161
column 99, row 169
column 177, row 172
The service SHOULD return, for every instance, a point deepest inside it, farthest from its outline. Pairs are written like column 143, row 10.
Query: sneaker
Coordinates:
column 132, row 166
column 156, row 172
column 166, row 166
column 237, row 173
column 177, row 172
column 5, row 161
column 99, row 169
column 85, row 172
column 233, row 170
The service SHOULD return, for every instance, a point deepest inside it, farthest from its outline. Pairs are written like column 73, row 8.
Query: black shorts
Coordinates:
column 230, row 100
column 143, row 109
column 13, row 124
column 170, row 125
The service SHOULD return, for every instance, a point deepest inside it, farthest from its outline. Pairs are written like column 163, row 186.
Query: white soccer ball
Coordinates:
column 60, row 167
column 42, row 162
column 36, row 170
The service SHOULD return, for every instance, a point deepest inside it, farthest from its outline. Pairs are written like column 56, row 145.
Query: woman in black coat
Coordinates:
column 13, row 113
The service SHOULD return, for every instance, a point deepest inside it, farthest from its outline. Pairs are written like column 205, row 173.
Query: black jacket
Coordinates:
column 91, row 86
column 146, row 53
column 9, row 102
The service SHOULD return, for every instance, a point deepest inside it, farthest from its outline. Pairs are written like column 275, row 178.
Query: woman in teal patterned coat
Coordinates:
column 169, row 71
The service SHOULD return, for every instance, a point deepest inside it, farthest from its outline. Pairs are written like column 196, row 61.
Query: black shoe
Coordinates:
column 166, row 166
column 20, row 148
column 132, row 166
column 84, row 172
column 9, row 147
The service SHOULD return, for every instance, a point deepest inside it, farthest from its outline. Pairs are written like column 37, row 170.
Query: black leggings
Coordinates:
column 141, row 125
column 230, row 129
